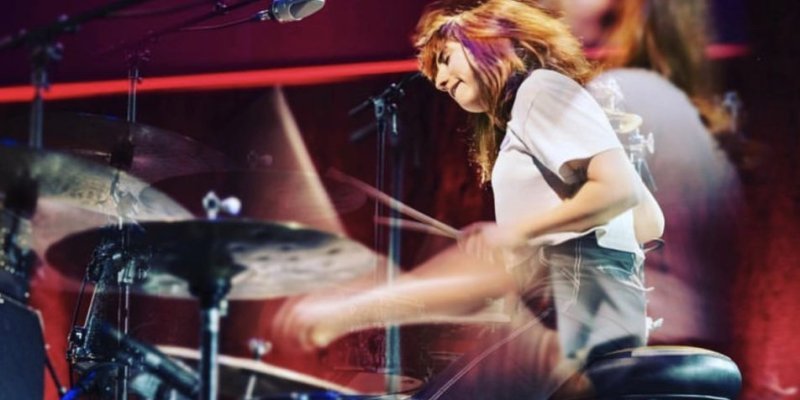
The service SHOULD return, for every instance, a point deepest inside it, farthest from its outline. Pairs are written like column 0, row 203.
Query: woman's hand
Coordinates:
column 487, row 240
column 307, row 323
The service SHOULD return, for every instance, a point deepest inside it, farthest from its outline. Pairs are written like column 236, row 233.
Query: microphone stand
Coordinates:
column 218, row 10
column 46, row 50
column 387, row 127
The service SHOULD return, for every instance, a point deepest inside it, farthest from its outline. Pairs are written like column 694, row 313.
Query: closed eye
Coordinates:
column 443, row 59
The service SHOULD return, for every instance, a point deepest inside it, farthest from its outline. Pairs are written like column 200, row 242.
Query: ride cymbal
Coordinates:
column 29, row 175
column 153, row 153
column 260, row 259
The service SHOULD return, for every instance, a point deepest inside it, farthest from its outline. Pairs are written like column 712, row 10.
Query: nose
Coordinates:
column 441, row 79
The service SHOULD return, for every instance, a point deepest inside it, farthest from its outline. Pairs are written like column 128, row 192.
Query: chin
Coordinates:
column 475, row 108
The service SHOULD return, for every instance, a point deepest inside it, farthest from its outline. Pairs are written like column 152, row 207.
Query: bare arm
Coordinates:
column 612, row 187
column 648, row 218
column 450, row 283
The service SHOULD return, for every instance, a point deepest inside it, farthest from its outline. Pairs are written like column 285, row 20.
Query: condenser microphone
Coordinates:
column 290, row 10
column 176, row 374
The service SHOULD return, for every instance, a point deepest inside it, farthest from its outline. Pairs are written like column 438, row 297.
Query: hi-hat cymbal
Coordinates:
column 622, row 122
column 157, row 153
column 83, row 184
column 268, row 194
column 261, row 259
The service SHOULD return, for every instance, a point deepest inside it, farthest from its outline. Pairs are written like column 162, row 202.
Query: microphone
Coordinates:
column 97, row 375
column 179, row 376
column 290, row 10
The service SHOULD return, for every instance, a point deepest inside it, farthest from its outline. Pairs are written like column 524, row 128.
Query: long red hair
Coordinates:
column 508, row 39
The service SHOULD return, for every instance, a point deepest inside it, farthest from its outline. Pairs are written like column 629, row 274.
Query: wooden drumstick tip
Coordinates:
column 320, row 339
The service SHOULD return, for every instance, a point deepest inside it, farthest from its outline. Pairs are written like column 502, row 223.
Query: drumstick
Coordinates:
column 413, row 225
column 394, row 204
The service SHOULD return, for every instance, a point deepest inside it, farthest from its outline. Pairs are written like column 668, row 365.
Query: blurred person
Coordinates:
column 654, row 50
column 571, row 214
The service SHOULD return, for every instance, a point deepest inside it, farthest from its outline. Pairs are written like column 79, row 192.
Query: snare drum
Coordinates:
column 241, row 378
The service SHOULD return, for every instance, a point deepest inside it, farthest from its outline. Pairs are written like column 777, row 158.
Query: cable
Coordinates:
column 252, row 18
column 157, row 11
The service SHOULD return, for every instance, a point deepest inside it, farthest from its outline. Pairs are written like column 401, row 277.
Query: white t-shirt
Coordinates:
column 555, row 120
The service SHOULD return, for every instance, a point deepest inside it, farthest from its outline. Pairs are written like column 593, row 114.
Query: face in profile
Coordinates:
column 456, row 77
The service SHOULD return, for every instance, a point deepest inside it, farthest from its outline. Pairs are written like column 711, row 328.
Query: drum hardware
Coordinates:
column 45, row 50
column 386, row 113
column 623, row 123
column 136, row 354
column 258, row 161
column 28, row 177
column 213, row 256
column 94, row 187
column 733, row 104
column 86, row 185
column 113, row 270
column 214, row 205
column 268, row 194
column 271, row 381
column 638, row 147
column 259, row 348
column 745, row 152
column 281, row 259
column 16, row 257
column 89, row 186
column 608, row 94
column 144, row 151
column 112, row 266
column 98, row 378
column 113, row 197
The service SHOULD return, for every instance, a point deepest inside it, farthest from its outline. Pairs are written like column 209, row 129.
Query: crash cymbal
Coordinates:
column 261, row 259
column 622, row 122
column 268, row 194
column 156, row 153
column 29, row 174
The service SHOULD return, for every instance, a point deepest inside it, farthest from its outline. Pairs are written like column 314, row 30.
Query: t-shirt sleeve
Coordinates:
column 559, row 121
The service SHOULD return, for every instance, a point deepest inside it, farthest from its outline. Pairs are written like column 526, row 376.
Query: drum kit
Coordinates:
column 155, row 246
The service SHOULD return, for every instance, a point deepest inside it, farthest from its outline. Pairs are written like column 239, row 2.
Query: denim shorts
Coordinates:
column 597, row 300
column 598, row 295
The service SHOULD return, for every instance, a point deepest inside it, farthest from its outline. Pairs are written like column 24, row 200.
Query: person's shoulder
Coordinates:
column 546, row 79
column 544, row 85
column 640, row 79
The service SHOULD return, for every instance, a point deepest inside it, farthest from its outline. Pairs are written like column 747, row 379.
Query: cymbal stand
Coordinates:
column 112, row 265
column 211, row 294
column 386, row 111
column 45, row 50
column 608, row 93
column 638, row 146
